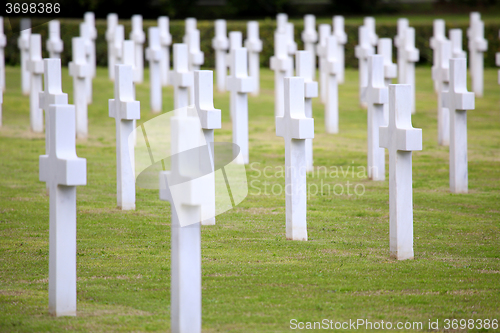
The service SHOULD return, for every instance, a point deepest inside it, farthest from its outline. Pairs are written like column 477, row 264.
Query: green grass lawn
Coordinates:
column 253, row 279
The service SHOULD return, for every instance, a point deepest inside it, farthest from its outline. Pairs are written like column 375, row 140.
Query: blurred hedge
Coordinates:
column 70, row 28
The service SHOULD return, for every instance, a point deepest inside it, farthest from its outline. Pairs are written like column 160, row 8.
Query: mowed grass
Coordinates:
column 253, row 279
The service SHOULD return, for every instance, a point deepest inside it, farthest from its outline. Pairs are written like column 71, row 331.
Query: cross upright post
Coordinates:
column 54, row 43
column 324, row 32
column 153, row 55
column 118, row 44
column 457, row 99
column 339, row 32
column 456, row 44
column 295, row 128
column 399, row 42
column 210, row 119
column 195, row 56
column 180, row 76
column 362, row 51
column 369, row 23
column 441, row 75
column 332, row 101
column 220, row 43
column 410, row 56
column 3, row 43
column 254, row 46
column 63, row 171
column 112, row 22
column 85, row 34
column 79, row 69
column 400, row 139
column 35, row 67
column 376, row 97
column 280, row 64
column 165, row 42
column 304, row 70
column 384, row 48
column 474, row 17
column 310, row 38
column 477, row 46
column 497, row 55
column 240, row 84
column 138, row 36
column 89, row 19
column 189, row 24
column 291, row 45
column 124, row 109
column 439, row 35
column 23, row 42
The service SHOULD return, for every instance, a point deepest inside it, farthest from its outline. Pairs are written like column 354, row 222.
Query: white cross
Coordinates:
column 89, row 19
column 291, row 45
column 457, row 99
column 118, row 44
column 112, row 22
column 86, row 35
column 235, row 42
column 124, row 109
column 439, row 35
column 410, row 56
column 310, row 38
column 324, row 32
column 280, row 64
column 180, row 76
column 23, row 42
column 384, row 48
column 473, row 18
column 240, row 84
column 400, row 138
column 189, row 24
column 210, row 119
column 339, row 32
column 369, row 23
column 295, row 128
column 3, row 42
column 477, row 46
column 52, row 94
column 79, row 70
column 441, row 75
column 195, row 56
column 138, row 36
column 305, row 70
column 165, row 42
column 153, row 55
column 220, row 44
column 281, row 21
column 129, row 59
column 376, row 96
column 54, row 43
column 399, row 42
column 254, row 46
column 456, row 44
column 332, row 66
column 362, row 51
column 35, row 67
column 63, row 171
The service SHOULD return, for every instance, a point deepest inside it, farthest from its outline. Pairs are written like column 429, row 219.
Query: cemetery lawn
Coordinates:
column 253, row 279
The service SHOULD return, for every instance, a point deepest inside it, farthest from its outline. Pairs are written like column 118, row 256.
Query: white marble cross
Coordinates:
column 63, row 170
column 410, row 56
column 305, row 70
column 363, row 50
column 281, row 21
column 240, row 84
column 439, row 35
column 180, row 76
column 112, row 22
column 254, row 46
column 23, row 42
column 339, row 32
column 195, row 56
column 369, row 23
column 118, row 44
column 376, row 96
column 210, row 119
column 165, row 42
column 124, row 109
column 3, row 43
column 54, row 44
column 456, row 44
column 310, row 38
column 400, row 139
column 189, row 24
column 295, row 128
column 220, row 44
column 441, row 75
column 85, row 34
column 35, row 67
column 128, row 59
column 79, row 70
column 457, row 99
column 384, row 48
column 324, row 32
column 153, row 55
column 291, row 45
column 280, row 64
column 402, row 25
column 477, row 46
column 89, row 19
column 332, row 92
column 138, row 36
column 52, row 94
column 235, row 42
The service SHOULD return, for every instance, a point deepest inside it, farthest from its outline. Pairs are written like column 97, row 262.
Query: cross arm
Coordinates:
column 309, row 36
column 138, row 36
column 412, row 54
column 78, row 70
column 128, row 110
column 47, row 99
column 240, row 84
column 409, row 139
column 197, row 57
column 332, row 66
column 35, row 66
column 310, row 89
column 72, row 171
column 280, row 64
column 23, row 42
column 480, row 44
column 362, row 52
column 390, row 71
column 3, row 40
column 182, row 79
column 298, row 128
column 220, row 43
column 153, row 54
column 341, row 37
column 166, row 39
column 55, row 45
column 253, row 45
